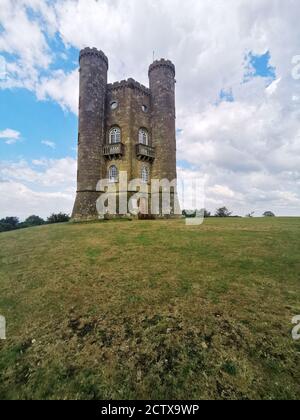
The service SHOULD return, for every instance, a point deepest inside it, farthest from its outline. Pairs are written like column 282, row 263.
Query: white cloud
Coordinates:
column 61, row 87
column 222, row 190
column 45, row 187
column 49, row 143
column 40, row 162
column 21, row 201
column 10, row 136
column 55, row 173
column 273, row 86
column 21, row 35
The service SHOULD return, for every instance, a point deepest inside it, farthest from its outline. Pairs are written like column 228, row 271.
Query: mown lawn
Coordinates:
column 151, row 310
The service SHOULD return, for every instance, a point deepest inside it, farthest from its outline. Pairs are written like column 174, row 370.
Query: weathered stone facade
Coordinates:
column 123, row 125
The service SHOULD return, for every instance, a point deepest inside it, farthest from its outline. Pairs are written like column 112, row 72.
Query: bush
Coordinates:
column 31, row 221
column 58, row 218
column 9, row 223
column 268, row 214
column 207, row 213
column 223, row 212
column 13, row 223
column 189, row 213
column 34, row 221
column 196, row 213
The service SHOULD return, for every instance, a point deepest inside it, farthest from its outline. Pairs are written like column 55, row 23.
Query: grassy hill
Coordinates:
column 151, row 310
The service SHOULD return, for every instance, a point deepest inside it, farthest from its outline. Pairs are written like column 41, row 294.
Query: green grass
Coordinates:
column 151, row 310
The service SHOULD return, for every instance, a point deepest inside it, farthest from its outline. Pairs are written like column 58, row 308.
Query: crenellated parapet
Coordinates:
column 162, row 63
column 93, row 52
column 131, row 84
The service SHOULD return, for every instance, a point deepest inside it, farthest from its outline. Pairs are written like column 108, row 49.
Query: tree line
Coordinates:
column 13, row 223
column 221, row 212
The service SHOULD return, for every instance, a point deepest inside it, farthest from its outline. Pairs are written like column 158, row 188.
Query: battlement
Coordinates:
column 93, row 52
column 131, row 84
column 162, row 63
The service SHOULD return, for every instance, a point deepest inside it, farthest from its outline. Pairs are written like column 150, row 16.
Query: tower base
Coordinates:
column 85, row 206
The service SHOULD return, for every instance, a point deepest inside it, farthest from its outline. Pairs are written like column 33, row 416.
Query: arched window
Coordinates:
column 113, row 174
column 145, row 174
column 115, row 135
column 143, row 137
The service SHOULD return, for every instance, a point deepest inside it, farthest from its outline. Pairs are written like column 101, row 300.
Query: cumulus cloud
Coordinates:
column 10, row 136
column 21, row 35
column 245, row 143
column 21, row 201
column 38, row 187
column 61, row 87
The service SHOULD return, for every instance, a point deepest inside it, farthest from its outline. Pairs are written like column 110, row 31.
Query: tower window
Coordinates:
column 144, row 108
column 115, row 135
column 143, row 137
column 145, row 174
column 113, row 174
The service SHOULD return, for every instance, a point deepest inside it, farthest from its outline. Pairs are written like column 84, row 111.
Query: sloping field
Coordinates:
column 151, row 310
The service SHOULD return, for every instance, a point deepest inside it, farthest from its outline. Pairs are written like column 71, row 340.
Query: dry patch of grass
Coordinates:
column 151, row 310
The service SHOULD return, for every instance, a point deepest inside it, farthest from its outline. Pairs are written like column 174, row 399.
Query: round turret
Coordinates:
column 93, row 52
column 162, row 87
column 92, row 90
column 162, row 63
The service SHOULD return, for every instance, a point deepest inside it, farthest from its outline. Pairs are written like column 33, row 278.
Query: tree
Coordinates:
column 223, row 212
column 34, row 221
column 58, row 218
column 207, row 213
column 9, row 223
column 196, row 213
column 189, row 213
column 268, row 214
column 250, row 214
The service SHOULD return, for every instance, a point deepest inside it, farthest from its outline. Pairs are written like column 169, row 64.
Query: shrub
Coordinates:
column 34, row 221
column 58, row 218
column 223, row 212
column 207, row 213
column 268, row 214
column 196, row 213
column 189, row 213
column 9, row 223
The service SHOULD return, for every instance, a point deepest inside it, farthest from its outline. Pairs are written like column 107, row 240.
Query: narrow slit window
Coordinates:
column 145, row 174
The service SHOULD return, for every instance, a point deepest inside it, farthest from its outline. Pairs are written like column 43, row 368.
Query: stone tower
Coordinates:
column 123, row 127
column 91, row 135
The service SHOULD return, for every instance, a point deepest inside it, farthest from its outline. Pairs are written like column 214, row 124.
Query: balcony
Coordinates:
column 145, row 153
column 113, row 151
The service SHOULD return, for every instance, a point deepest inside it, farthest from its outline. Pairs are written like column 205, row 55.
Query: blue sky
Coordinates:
column 261, row 65
column 40, row 121
column 237, row 107
column 37, row 121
